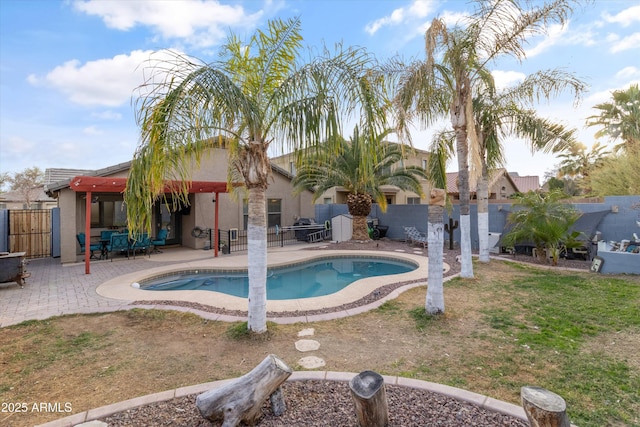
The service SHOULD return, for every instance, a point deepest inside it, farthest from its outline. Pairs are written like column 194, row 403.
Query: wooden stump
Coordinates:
column 242, row 399
column 370, row 399
column 544, row 408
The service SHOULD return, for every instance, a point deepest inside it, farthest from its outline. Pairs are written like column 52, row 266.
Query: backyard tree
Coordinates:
column 456, row 57
column 5, row 178
column 542, row 219
column 618, row 175
column 27, row 183
column 510, row 113
column 578, row 163
column 361, row 166
column 257, row 93
column 620, row 118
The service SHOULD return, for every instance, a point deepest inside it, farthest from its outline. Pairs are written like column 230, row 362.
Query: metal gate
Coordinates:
column 30, row 231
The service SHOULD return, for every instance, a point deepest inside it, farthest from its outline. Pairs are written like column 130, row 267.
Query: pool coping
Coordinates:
column 482, row 401
column 120, row 288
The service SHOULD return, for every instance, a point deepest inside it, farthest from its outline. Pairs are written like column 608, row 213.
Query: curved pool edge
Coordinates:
column 120, row 288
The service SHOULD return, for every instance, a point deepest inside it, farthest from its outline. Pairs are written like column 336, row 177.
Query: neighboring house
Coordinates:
column 501, row 186
column 17, row 200
column 107, row 210
column 526, row 183
column 413, row 157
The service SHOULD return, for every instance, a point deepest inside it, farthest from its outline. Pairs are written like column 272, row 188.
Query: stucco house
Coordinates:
column 394, row 195
column 107, row 206
column 502, row 185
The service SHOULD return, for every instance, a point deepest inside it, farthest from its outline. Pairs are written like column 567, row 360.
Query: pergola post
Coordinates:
column 215, row 226
column 87, row 234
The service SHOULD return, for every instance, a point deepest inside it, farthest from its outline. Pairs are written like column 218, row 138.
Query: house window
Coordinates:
column 108, row 214
column 292, row 168
column 274, row 212
column 327, row 201
column 424, row 164
column 413, row 200
column 3, row 206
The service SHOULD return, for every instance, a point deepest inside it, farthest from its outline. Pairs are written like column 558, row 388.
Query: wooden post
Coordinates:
column 241, row 400
column 87, row 233
column 370, row 399
column 216, row 202
column 544, row 408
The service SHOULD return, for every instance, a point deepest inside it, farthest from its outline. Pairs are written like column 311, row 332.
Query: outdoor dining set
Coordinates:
column 119, row 242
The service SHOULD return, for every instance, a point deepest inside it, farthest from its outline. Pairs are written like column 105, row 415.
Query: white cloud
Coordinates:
column 624, row 18
column 628, row 73
column 417, row 10
column 201, row 23
column 504, row 79
column 107, row 115
column 555, row 35
column 92, row 130
column 108, row 82
column 629, row 42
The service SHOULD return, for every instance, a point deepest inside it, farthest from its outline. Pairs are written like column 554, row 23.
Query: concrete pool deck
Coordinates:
column 121, row 287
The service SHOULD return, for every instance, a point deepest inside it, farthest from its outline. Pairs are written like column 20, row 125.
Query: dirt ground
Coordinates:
column 84, row 362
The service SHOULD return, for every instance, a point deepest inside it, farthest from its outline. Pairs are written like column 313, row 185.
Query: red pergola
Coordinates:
column 90, row 184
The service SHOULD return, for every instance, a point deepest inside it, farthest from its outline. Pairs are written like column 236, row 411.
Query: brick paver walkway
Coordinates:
column 55, row 289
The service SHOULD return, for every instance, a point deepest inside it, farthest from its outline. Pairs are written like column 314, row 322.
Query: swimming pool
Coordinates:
column 313, row 278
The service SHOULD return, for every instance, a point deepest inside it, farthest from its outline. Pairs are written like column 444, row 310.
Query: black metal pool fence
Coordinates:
column 235, row 240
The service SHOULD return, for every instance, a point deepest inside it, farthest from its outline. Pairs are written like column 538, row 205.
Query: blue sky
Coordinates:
column 68, row 69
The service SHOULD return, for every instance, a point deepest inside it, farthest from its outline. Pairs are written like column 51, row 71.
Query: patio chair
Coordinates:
column 141, row 243
column 413, row 236
column 119, row 243
column 160, row 240
column 81, row 237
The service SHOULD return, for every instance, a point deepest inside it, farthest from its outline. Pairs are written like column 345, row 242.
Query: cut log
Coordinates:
column 278, row 404
column 544, row 408
column 242, row 399
column 370, row 399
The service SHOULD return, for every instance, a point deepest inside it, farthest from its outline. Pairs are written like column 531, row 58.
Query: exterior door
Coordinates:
column 172, row 221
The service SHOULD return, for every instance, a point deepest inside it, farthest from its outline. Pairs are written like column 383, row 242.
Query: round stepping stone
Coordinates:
column 311, row 362
column 307, row 345
column 306, row 332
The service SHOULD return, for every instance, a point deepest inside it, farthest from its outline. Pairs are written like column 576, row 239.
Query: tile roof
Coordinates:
column 521, row 183
column 526, row 183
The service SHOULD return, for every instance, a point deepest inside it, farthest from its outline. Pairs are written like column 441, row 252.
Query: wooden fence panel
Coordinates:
column 30, row 232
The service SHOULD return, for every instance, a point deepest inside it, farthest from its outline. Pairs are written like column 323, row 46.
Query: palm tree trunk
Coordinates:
column 483, row 216
column 435, row 236
column 466, row 268
column 360, row 228
column 257, row 254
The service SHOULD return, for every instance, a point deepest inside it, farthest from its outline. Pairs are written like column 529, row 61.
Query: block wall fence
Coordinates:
column 620, row 223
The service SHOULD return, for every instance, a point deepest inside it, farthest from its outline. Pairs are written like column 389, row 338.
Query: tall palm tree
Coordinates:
column 361, row 166
column 257, row 93
column 498, row 116
column 578, row 163
column 620, row 118
column 455, row 60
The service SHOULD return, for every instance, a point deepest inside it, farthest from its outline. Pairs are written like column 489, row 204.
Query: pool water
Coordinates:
column 304, row 280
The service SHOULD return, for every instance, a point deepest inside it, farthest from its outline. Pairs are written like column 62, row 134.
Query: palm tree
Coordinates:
column 578, row 163
column 456, row 59
column 361, row 167
column 620, row 118
column 255, row 94
column 541, row 218
column 510, row 113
